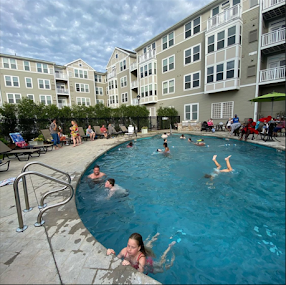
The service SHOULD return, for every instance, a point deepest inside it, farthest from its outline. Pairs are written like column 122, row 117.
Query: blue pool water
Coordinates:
column 229, row 230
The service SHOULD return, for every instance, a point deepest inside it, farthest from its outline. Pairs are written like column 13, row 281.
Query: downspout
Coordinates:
column 260, row 21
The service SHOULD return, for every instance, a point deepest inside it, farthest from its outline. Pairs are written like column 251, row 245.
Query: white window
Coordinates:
column 222, row 110
column 123, row 65
column 188, row 30
column 97, row 78
column 42, row 67
column 12, row 81
column 150, row 68
column 80, row 87
column 220, row 40
column 168, row 40
column 231, row 36
column 13, row 98
column 80, row 73
column 9, row 63
column 197, row 25
column 230, row 69
column 29, row 82
column 168, row 63
column 123, row 81
column 141, row 72
column 192, row 54
column 168, row 86
column 124, row 97
column 211, row 44
column 83, row 101
column 99, row 101
column 219, row 72
column 46, row 99
column 210, row 74
column 191, row 112
column 31, row 97
column 44, row 84
column 192, row 81
column 26, row 65
column 98, row 90
column 150, row 90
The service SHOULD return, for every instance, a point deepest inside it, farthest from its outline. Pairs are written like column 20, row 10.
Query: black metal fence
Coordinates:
column 31, row 128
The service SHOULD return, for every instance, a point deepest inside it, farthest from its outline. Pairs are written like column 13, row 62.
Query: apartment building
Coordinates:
column 212, row 62
column 206, row 66
column 49, row 83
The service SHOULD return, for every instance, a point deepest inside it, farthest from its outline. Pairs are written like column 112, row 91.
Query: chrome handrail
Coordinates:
column 39, row 222
column 28, row 208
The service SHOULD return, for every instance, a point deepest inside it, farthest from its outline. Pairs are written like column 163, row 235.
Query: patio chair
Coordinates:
column 7, row 151
column 19, row 141
column 3, row 163
column 125, row 131
column 269, row 134
column 47, row 135
column 98, row 132
column 82, row 134
column 205, row 126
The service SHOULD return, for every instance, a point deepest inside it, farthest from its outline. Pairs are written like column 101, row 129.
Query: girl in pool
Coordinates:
column 139, row 256
column 130, row 144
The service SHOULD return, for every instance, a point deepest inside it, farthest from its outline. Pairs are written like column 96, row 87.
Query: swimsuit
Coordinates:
column 149, row 262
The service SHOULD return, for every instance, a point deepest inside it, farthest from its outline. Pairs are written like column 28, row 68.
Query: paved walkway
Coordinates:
column 62, row 251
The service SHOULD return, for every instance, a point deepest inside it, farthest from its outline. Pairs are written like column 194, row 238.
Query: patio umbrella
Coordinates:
column 270, row 98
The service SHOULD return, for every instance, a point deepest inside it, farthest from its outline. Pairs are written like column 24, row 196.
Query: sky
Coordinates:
column 62, row 31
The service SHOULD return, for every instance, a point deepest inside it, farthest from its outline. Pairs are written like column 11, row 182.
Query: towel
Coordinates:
column 8, row 181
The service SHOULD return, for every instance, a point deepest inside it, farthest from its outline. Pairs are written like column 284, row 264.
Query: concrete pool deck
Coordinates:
column 62, row 251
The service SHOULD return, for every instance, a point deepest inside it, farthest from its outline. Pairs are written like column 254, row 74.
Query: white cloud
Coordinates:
column 62, row 31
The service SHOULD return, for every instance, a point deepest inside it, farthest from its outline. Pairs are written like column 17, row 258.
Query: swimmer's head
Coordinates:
column 208, row 176
column 202, row 140
column 109, row 183
column 165, row 144
column 96, row 170
column 189, row 139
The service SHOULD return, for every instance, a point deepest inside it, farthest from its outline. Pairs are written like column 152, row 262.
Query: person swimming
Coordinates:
column 182, row 136
column 130, row 144
column 96, row 173
column 218, row 167
column 166, row 150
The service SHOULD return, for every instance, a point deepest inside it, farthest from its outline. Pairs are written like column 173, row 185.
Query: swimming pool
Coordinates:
column 228, row 230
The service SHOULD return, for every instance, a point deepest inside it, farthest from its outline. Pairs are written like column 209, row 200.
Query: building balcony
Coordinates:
column 149, row 99
column 61, row 76
column 224, row 17
column 134, row 84
column 222, row 85
column 272, row 75
column 133, row 66
column 114, row 105
column 273, row 8
column 273, row 41
column 148, row 55
column 111, row 74
column 62, row 91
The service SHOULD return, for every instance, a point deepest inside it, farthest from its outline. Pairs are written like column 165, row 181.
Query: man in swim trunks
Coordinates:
column 166, row 150
column 96, row 173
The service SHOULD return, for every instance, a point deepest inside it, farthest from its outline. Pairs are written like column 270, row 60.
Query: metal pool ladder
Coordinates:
column 43, row 207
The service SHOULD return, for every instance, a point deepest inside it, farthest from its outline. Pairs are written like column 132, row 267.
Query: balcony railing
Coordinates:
column 114, row 105
column 134, row 84
column 111, row 74
column 62, row 91
column 148, row 55
column 133, row 66
column 274, row 37
column 149, row 99
column 61, row 76
column 224, row 17
column 273, row 74
column 266, row 4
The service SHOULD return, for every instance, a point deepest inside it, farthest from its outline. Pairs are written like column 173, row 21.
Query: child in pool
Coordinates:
column 140, row 257
column 130, row 144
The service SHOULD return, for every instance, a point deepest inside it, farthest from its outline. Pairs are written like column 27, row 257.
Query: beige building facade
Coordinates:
column 206, row 66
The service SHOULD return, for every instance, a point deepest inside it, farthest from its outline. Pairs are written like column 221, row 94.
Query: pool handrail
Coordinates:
column 39, row 222
column 28, row 208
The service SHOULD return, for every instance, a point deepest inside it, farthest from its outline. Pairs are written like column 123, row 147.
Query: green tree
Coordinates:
column 8, row 121
column 166, row 111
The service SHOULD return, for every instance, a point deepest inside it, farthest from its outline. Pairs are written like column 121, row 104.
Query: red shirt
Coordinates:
column 103, row 129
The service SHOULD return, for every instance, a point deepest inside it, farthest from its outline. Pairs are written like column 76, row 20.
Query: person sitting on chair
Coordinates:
column 90, row 133
column 103, row 130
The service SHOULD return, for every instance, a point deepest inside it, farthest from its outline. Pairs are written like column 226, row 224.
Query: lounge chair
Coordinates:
column 125, row 131
column 7, row 151
column 3, row 163
column 98, row 132
column 82, row 134
column 47, row 135
column 19, row 141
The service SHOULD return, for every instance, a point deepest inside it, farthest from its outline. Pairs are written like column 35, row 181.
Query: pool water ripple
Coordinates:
column 228, row 230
